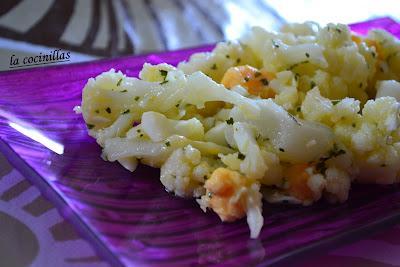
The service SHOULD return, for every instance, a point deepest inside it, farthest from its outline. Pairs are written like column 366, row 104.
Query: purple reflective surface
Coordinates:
column 129, row 217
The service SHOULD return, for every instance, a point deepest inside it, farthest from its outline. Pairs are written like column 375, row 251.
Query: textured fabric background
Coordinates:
column 32, row 231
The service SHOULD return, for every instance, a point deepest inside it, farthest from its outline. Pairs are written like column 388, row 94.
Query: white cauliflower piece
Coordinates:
column 288, row 135
column 181, row 175
column 117, row 129
column 273, row 174
column 215, row 63
column 155, row 73
column 383, row 111
column 158, row 127
column 337, row 185
column 155, row 153
column 316, row 107
column 388, row 88
column 253, row 164
column 217, row 134
column 232, row 161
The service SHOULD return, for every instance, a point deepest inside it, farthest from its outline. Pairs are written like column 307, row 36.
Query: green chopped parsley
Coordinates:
column 281, row 149
column 241, row 156
column 307, row 55
column 163, row 73
column 335, row 102
column 137, row 98
column 298, row 109
column 119, row 82
column 246, row 79
column 338, row 30
column 167, row 143
column 138, row 130
column 214, row 66
column 230, row 121
column 163, row 82
column 312, row 84
column 126, row 111
column 89, row 126
column 97, row 111
column 238, row 60
column 124, row 91
column 227, row 56
column 108, row 109
column 264, row 81
column 177, row 105
column 297, row 64
column 274, row 43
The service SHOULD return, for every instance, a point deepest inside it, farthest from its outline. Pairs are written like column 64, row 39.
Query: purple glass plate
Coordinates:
column 129, row 218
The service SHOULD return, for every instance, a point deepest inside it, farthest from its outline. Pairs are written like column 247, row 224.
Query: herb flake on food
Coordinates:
column 167, row 143
column 137, row 98
column 126, row 111
column 257, row 74
column 307, row 55
column 97, row 111
column 119, row 82
column 264, row 81
column 163, row 73
column 246, row 79
column 124, row 91
column 281, row 149
column 274, row 43
column 230, row 121
column 163, row 82
column 297, row 64
column 108, row 110
column 335, row 102
column 241, row 156
column 89, row 126
column 312, row 84
column 238, row 60
column 214, row 66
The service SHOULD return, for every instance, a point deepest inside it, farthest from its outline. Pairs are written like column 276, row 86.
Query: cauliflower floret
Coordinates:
column 155, row 73
column 273, row 174
column 388, row 88
column 184, row 173
column 316, row 107
column 158, row 127
column 232, row 196
column 253, row 164
column 337, row 185
column 232, row 161
column 215, row 63
column 383, row 111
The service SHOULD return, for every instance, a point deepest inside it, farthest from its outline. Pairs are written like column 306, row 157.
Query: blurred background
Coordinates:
column 91, row 29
